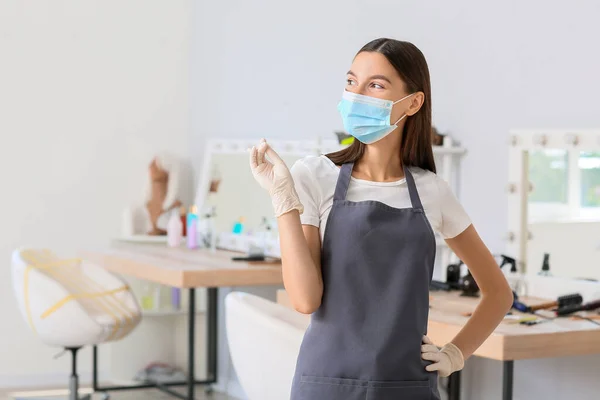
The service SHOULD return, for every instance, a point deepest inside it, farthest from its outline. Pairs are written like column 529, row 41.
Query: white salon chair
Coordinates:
column 264, row 340
column 71, row 303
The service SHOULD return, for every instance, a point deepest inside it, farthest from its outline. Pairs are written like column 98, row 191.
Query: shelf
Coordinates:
column 448, row 150
column 142, row 239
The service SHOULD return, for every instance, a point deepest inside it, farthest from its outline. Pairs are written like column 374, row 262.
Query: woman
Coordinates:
column 358, row 247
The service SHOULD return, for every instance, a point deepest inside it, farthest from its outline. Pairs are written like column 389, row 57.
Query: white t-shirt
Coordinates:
column 315, row 178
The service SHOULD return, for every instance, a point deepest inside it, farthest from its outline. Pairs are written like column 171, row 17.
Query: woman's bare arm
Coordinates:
column 301, row 262
column 496, row 299
column 300, row 247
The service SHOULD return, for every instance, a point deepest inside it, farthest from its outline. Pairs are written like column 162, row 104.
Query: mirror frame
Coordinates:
column 521, row 142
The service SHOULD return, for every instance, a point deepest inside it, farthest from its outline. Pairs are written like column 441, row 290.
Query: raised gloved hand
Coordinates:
column 274, row 176
column 446, row 360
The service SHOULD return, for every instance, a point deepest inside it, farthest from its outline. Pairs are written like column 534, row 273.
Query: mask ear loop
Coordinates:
column 404, row 98
column 399, row 119
column 398, row 101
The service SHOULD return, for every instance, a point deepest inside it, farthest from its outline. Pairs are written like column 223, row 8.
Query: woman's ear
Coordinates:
column 416, row 102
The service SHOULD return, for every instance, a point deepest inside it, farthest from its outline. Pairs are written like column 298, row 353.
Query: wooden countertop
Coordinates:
column 561, row 337
column 184, row 268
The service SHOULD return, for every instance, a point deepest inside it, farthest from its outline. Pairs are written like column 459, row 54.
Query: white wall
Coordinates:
column 88, row 91
column 276, row 69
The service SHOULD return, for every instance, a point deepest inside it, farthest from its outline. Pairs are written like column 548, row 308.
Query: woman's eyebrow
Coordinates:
column 382, row 77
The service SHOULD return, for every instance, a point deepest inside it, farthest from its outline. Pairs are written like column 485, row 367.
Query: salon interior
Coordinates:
column 142, row 260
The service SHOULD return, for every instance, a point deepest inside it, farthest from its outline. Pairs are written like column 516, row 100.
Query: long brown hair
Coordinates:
column 415, row 147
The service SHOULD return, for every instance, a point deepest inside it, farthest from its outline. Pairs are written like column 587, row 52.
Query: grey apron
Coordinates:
column 364, row 341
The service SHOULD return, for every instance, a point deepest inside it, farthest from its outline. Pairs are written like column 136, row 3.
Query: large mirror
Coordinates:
column 564, row 212
column 227, row 192
column 236, row 196
column 561, row 199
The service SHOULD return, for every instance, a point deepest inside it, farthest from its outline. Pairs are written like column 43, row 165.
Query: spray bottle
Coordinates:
column 514, row 278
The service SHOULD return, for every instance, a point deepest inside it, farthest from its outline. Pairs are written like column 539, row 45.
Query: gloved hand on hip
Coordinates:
column 446, row 360
column 274, row 176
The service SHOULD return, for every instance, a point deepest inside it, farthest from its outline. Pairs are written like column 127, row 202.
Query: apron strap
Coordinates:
column 341, row 187
column 412, row 189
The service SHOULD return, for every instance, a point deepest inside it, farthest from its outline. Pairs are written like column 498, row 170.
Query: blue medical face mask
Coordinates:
column 367, row 118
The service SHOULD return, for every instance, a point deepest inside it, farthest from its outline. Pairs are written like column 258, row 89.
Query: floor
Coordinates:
column 136, row 395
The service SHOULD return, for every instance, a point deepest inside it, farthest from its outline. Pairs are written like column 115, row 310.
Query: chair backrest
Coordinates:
column 69, row 302
column 264, row 340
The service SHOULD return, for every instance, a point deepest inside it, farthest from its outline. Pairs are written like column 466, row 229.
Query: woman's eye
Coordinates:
column 350, row 82
column 377, row 86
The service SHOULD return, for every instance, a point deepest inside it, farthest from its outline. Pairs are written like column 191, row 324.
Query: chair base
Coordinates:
column 74, row 380
column 73, row 390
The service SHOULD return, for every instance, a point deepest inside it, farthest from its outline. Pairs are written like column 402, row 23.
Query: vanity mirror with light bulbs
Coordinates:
column 554, row 203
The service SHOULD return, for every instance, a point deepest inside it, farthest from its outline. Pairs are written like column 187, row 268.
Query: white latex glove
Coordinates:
column 274, row 176
column 446, row 360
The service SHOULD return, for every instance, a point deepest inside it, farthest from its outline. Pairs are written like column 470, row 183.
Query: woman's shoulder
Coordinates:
column 427, row 180
column 424, row 175
column 317, row 166
column 314, row 177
